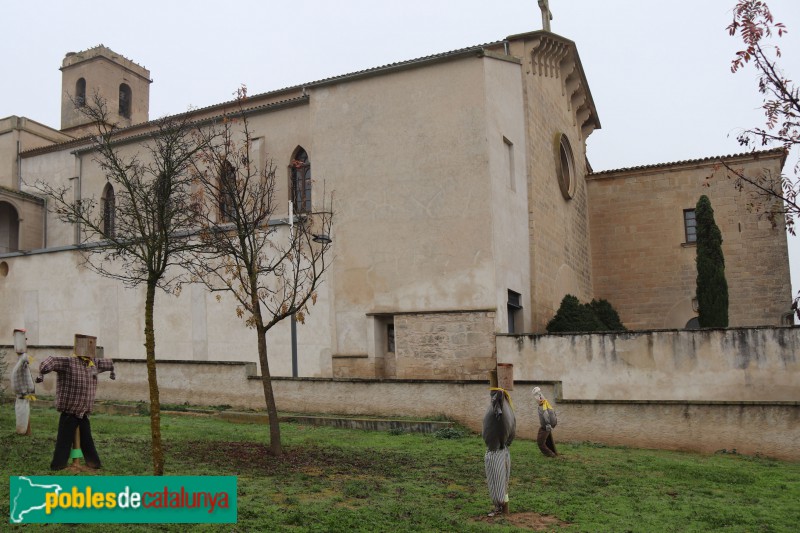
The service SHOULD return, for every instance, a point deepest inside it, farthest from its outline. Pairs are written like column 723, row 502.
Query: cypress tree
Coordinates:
column 712, row 288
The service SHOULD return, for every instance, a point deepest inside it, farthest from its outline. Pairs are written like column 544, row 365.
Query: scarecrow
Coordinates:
column 76, row 385
column 22, row 383
column 499, row 428
column 547, row 422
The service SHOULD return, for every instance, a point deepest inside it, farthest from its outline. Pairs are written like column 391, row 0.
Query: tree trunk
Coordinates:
column 152, row 381
column 275, row 448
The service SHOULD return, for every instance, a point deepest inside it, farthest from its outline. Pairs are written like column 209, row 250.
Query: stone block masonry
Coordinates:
column 457, row 345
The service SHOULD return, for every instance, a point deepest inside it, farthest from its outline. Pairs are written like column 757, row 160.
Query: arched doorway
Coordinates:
column 9, row 228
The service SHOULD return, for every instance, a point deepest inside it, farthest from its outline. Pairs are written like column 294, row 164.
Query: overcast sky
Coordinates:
column 659, row 72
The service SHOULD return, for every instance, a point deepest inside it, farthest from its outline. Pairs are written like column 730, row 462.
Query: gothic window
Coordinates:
column 80, row 93
column 300, row 169
column 9, row 228
column 566, row 167
column 689, row 226
column 124, row 100
column 227, row 191
column 109, row 210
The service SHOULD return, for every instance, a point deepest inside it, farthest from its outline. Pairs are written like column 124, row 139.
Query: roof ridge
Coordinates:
column 687, row 161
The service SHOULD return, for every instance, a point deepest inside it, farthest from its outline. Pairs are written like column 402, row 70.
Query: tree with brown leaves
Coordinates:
column 272, row 266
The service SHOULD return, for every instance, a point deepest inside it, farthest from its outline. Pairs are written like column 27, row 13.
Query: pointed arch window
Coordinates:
column 109, row 202
column 227, row 191
column 300, row 169
column 125, row 100
column 80, row 92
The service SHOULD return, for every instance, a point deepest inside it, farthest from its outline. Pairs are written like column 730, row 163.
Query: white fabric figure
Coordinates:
column 23, row 385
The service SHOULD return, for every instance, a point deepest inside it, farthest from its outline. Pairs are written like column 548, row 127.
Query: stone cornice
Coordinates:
column 553, row 56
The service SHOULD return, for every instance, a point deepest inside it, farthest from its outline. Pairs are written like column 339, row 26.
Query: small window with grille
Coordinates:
column 514, row 311
column 690, row 226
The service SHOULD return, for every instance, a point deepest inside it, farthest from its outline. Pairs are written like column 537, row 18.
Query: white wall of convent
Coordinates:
column 508, row 163
column 417, row 164
column 406, row 154
column 54, row 296
column 57, row 168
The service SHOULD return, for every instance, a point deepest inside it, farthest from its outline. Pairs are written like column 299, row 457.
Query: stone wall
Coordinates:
column 458, row 345
column 703, row 427
column 642, row 263
column 742, row 364
column 764, row 428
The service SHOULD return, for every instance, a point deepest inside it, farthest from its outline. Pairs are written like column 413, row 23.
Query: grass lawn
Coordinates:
column 346, row 480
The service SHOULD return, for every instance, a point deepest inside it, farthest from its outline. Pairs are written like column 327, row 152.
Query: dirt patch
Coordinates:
column 532, row 521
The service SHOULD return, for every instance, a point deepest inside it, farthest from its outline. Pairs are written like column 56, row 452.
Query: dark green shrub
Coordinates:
column 573, row 316
column 607, row 315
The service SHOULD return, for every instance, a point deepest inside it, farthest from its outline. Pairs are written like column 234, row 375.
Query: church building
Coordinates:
column 465, row 208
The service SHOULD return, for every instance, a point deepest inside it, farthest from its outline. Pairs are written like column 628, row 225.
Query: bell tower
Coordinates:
column 121, row 83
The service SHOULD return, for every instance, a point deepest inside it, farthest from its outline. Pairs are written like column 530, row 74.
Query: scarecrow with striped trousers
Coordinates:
column 499, row 428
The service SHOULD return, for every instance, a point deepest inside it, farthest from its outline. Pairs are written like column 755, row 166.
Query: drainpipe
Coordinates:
column 294, row 346
column 77, row 193
column 44, row 226
column 19, row 167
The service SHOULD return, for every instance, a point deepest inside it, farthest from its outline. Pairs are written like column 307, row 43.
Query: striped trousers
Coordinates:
column 498, row 471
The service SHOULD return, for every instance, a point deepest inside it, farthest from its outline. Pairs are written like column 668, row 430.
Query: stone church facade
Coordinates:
column 465, row 207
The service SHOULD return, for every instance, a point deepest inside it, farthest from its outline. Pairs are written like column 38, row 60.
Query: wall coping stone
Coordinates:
column 682, row 402
column 640, row 331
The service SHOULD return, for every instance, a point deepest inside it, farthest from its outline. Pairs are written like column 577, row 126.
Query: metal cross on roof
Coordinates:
column 547, row 15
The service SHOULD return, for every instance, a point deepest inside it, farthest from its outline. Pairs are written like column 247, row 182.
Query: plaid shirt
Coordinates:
column 76, row 383
column 21, row 379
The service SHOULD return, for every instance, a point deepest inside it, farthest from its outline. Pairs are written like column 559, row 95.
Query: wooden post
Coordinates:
column 493, row 378
column 505, row 376
column 76, row 452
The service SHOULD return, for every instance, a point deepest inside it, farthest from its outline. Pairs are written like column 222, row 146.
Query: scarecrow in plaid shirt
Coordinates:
column 76, row 385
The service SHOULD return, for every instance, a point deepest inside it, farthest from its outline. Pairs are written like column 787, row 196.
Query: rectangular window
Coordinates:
column 390, row 337
column 690, row 225
column 512, row 182
column 514, row 310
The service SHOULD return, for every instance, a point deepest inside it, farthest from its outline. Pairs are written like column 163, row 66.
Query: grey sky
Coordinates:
column 659, row 71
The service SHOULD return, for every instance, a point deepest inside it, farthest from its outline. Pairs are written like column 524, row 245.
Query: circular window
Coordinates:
column 566, row 166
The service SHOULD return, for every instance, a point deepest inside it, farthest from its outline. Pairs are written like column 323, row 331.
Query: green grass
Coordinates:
column 345, row 480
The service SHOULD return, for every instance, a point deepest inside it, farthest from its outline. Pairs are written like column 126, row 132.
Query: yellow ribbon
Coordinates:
column 505, row 392
column 30, row 397
column 545, row 404
column 87, row 360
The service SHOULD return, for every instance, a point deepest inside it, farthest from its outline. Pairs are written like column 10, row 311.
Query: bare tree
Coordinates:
column 775, row 196
column 139, row 233
column 272, row 267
